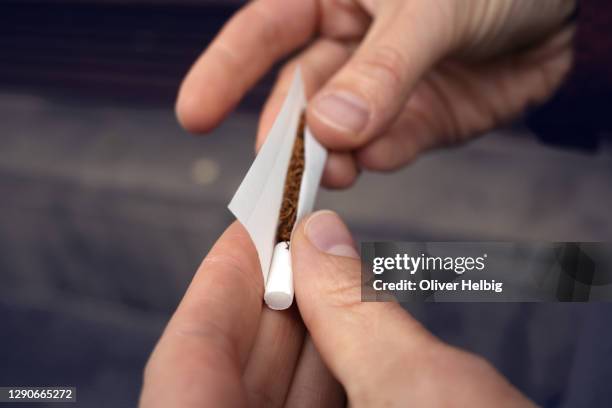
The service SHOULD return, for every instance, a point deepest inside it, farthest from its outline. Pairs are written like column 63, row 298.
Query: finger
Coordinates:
column 199, row 358
column 352, row 336
column 340, row 171
column 318, row 63
column 313, row 384
column 273, row 358
column 365, row 96
column 458, row 101
column 248, row 45
column 415, row 131
column 376, row 350
column 344, row 20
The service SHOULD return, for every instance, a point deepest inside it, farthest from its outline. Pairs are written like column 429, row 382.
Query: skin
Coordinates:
column 222, row 348
column 432, row 73
column 429, row 73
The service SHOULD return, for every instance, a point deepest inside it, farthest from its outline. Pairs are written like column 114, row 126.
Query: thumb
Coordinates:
column 352, row 336
column 367, row 94
column 380, row 354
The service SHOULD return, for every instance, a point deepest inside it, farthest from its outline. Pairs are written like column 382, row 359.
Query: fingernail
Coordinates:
column 342, row 110
column 328, row 234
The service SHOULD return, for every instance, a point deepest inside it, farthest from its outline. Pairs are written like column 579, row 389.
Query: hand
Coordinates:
column 222, row 349
column 387, row 79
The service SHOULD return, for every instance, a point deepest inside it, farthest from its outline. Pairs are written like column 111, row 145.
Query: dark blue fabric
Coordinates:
column 590, row 380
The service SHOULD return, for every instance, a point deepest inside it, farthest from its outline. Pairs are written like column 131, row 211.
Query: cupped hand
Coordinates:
column 222, row 349
column 387, row 79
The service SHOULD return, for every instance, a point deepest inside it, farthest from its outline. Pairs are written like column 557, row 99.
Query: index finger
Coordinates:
column 200, row 356
column 249, row 44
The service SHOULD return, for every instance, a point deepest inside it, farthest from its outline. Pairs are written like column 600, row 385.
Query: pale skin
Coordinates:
column 387, row 81
column 427, row 73
column 223, row 348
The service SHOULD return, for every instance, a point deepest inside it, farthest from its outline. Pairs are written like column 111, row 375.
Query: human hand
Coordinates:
column 222, row 349
column 387, row 79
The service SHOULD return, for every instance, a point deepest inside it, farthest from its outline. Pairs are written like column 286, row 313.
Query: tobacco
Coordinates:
column 293, row 181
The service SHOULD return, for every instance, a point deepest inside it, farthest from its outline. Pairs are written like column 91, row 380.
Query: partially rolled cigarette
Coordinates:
column 279, row 190
column 279, row 287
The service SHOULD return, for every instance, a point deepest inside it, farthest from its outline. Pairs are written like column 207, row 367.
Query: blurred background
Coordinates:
column 107, row 207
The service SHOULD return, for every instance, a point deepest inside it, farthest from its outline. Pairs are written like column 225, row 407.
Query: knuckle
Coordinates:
column 385, row 66
column 215, row 347
column 233, row 265
column 343, row 287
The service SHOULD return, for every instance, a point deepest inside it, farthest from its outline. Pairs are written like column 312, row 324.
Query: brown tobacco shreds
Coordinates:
column 288, row 211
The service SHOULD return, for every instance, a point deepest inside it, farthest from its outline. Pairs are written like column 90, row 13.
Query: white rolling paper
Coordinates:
column 257, row 202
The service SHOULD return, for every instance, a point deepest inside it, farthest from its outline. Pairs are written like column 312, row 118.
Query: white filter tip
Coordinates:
column 279, row 288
